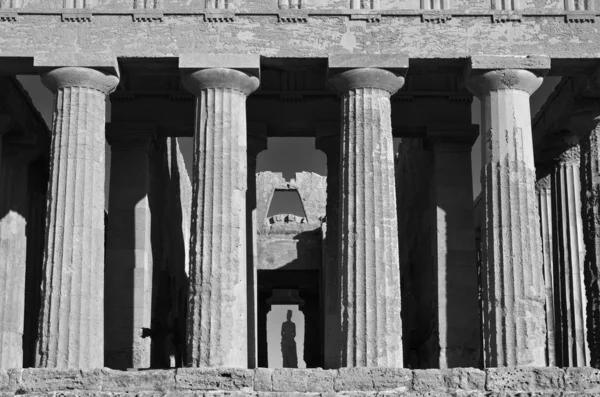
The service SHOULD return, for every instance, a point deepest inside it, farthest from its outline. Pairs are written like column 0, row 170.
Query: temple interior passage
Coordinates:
column 383, row 259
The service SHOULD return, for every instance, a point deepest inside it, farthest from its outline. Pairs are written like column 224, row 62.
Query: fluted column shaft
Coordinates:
column 569, row 254
column 514, row 325
column 71, row 329
column 590, row 184
column 217, row 333
column 544, row 196
column 13, row 258
column 371, row 329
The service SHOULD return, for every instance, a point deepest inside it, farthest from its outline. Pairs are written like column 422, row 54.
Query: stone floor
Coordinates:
column 550, row 381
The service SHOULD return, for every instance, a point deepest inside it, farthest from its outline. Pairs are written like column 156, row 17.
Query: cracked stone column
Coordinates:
column 128, row 273
column 217, row 334
column 453, row 249
column 71, row 326
column 371, row 328
column 14, row 208
column 514, row 319
column 569, row 254
column 328, row 141
column 544, row 196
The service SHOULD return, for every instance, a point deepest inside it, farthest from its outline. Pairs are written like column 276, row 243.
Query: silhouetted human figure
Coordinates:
column 288, row 344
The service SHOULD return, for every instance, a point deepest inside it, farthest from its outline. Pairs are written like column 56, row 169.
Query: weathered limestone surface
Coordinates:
column 514, row 327
column 543, row 189
column 453, row 249
column 217, row 319
column 71, row 327
column 371, row 329
column 569, row 254
column 329, row 31
column 128, row 272
column 501, row 382
column 288, row 241
column 13, row 255
column 590, row 184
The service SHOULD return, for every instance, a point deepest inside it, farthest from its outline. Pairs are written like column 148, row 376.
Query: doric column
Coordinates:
column 217, row 333
column 544, row 197
column 328, row 141
column 590, row 185
column 14, row 210
column 128, row 273
column 514, row 325
column 453, row 247
column 257, row 142
column 71, row 330
column 371, row 329
column 569, row 254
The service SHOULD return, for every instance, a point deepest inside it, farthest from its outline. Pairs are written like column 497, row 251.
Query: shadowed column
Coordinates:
column 453, row 250
column 544, row 196
column 257, row 142
column 328, row 141
column 569, row 253
column 590, row 184
column 14, row 207
column 514, row 325
column 128, row 273
column 217, row 333
column 371, row 329
column 71, row 330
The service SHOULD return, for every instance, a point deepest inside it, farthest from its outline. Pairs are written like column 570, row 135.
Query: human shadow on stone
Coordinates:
column 288, row 343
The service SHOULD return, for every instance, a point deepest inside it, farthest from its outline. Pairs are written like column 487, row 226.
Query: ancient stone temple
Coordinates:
column 149, row 279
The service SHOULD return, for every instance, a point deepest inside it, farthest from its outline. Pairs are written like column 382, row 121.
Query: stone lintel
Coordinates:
column 534, row 63
column 106, row 62
column 395, row 63
column 452, row 137
column 249, row 63
column 130, row 136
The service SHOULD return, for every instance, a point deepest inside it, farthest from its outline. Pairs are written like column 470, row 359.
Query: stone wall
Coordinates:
column 316, row 382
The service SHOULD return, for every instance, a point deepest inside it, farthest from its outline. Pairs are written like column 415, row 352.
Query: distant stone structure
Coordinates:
column 393, row 266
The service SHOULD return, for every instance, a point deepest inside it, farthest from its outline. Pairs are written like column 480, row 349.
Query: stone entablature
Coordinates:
column 297, row 382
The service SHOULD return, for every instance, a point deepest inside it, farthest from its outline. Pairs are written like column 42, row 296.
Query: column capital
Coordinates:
column 486, row 73
column 452, row 138
column 96, row 71
column 130, row 136
column 348, row 72
column 570, row 156
column 239, row 72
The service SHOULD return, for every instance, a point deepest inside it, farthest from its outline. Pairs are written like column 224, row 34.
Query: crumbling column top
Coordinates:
column 366, row 78
column 486, row 73
column 202, row 79
column 353, row 71
column 64, row 77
